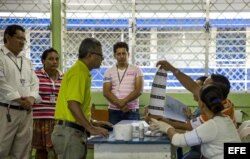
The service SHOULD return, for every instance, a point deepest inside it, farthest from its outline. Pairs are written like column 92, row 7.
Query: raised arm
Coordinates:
column 184, row 79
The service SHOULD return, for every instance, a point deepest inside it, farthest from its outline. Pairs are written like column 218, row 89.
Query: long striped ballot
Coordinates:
column 158, row 93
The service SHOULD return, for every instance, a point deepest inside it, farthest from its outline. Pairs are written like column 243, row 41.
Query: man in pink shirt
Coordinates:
column 123, row 84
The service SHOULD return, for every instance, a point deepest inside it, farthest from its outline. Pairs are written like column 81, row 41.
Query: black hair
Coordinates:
column 201, row 78
column 120, row 45
column 88, row 45
column 46, row 52
column 223, row 81
column 212, row 96
column 11, row 31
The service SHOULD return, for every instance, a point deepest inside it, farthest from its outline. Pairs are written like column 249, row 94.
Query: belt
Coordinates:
column 71, row 125
column 12, row 106
column 130, row 110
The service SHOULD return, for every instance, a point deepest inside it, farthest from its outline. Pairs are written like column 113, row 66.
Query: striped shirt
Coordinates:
column 122, row 87
column 48, row 90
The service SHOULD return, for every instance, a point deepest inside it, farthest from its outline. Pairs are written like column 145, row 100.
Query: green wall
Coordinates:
column 239, row 99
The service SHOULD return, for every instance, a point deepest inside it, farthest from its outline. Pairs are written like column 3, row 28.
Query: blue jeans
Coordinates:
column 116, row 116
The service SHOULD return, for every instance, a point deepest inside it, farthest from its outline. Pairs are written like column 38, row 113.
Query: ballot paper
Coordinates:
column 162, row 105
column 158, row 91
column 174, row 109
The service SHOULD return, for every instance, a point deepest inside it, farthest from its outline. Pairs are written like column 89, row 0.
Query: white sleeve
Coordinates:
column 195, row 122
column 34, row 86
column 107, row 76
column 201, row 134
column 190, row 138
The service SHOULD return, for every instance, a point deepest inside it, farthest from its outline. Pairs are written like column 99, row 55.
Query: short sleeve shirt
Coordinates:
column 123, row 87
column 75, row 86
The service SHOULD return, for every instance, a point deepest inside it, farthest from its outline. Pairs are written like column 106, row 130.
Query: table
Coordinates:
column 148, row 148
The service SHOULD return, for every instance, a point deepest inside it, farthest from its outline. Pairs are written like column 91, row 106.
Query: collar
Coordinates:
column 84, row 67
column 6, row 51
column 60, row 72
column 123, row 68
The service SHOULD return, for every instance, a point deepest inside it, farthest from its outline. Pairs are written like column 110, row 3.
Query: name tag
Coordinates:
column 52, row 98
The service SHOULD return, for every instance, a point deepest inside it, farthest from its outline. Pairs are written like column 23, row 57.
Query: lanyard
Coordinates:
column 19, row 68
column 120, row 79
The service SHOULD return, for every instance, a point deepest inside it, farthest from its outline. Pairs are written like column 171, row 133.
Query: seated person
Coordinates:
column 212, row 144
column 194, row 88
column 191, row 115
column 195, row 151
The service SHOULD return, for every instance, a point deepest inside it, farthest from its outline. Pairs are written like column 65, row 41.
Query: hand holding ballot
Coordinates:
column 159, row 126
column 162, row 106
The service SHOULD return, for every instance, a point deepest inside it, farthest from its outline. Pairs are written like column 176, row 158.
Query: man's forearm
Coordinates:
column 179, row 125
column 132, row 96
column 112, row 98
column 186, row 81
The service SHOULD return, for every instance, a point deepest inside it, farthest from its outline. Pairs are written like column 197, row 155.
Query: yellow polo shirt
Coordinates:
column 75, row 85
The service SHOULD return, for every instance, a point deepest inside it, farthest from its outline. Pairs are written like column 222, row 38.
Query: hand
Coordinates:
column 122, row 102
column 188, row 113
column 102, row 123
column 31, row 100
column 125, row 109
column 27, row 102
column 98, row 131
column 165, row 65
column 149, row 116
column 159, row 126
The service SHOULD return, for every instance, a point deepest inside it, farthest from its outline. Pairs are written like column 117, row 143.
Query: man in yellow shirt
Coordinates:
column 72, row 112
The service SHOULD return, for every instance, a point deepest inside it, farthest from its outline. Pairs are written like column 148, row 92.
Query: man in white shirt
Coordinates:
column 18, row 92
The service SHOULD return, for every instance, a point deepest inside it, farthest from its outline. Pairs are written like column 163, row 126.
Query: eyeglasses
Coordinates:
column 102, row 57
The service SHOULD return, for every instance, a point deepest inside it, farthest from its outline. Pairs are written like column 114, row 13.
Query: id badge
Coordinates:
column 22, row 81
column 52, row 98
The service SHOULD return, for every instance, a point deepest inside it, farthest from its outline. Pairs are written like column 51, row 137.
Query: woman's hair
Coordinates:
column 46, row 52
column 212, row 96
column 222, row 80
column 202, row 79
